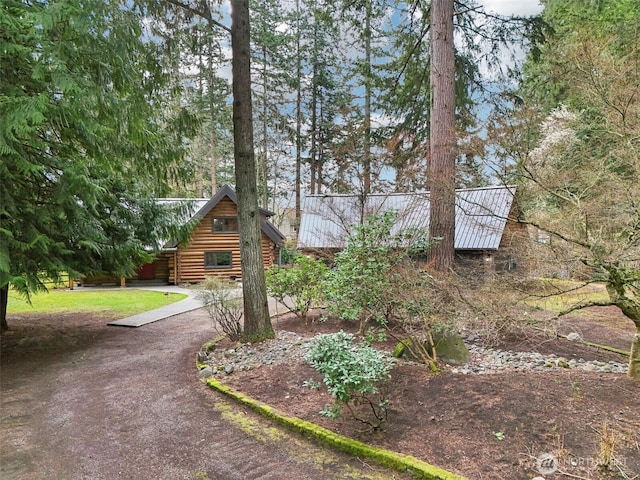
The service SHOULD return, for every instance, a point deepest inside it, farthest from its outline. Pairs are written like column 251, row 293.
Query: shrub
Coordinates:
column 299, row 287
column 357, row 284
column 223, row 304
column 355, row 374
column 288, row 254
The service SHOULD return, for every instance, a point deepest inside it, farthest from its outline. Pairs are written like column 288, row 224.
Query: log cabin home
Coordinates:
column 486, row 226
column 212, row 250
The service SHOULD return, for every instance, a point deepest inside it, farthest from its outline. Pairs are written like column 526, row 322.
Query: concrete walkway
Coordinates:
column 188, row 304
column 183, row 306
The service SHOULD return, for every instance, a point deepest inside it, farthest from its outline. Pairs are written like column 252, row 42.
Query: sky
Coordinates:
column 513, row 7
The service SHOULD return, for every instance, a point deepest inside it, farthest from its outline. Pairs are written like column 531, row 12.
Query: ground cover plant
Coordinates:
column 122, row 302
column 355, row 375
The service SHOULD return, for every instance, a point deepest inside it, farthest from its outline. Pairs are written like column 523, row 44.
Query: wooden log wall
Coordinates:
column 162, row 266
column 190, row 261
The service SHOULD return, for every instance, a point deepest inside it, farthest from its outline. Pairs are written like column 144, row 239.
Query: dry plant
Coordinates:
column 420, row 301
column 413, row 309
column 611, row 440
column 224, row 305
column 608, row 441
column 491, row 309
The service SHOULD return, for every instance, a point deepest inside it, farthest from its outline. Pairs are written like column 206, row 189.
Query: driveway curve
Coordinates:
column 82, row 400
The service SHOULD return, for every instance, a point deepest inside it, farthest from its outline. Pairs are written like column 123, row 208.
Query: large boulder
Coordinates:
column 449, row 347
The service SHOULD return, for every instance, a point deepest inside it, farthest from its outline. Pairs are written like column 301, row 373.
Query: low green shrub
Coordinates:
column 355, row 375
column 300, row 286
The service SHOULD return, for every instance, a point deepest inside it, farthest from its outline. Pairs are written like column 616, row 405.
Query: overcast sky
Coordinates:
column 513, row 7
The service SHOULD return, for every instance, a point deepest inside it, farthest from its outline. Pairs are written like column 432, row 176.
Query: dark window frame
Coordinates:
column 224, row 223
column 213, row 262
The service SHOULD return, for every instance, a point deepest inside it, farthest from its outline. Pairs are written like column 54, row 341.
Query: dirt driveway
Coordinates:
column 81, row 400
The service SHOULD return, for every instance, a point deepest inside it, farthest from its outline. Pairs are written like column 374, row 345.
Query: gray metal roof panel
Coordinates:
column 481, row 215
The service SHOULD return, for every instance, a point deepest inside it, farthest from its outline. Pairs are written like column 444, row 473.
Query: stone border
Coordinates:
column 386, row 458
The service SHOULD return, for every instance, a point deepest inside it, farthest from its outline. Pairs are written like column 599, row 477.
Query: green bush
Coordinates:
column 288, row 254
column 355, row 374
column 356, row 286
column 299, row 287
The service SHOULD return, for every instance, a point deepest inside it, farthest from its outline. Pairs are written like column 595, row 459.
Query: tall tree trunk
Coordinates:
column 212, row 135
column 4, row 301
column 262, row 173
column 214, row 164
column 257, row 323
column 314, row 124
column 298, row 116
column 441, row 177
column 367, row 102
column 199, row 181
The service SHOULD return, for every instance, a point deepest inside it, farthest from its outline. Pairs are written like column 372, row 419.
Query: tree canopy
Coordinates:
column 581, row 182
column 87, row 139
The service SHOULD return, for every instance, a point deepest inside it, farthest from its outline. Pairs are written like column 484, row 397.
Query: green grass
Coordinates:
column 123, row 302
column 558, row 295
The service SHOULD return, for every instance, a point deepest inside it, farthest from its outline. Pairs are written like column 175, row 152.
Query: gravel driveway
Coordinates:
column 81, row 400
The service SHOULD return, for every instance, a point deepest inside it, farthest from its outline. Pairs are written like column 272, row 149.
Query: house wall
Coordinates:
column 164, row 267
column 190, row 258
column 509, row 255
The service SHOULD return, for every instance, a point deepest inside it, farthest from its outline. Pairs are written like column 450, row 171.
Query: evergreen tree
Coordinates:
column 257, row 322
column 86, row 141
column 326, row 96
column 443, row 138
column 273, row 41
column 366, row 20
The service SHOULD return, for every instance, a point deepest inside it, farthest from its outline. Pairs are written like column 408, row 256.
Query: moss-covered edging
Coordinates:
column 386, row 458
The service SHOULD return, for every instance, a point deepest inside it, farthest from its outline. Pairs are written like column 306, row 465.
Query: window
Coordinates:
column 224, row 224
column 217, row 259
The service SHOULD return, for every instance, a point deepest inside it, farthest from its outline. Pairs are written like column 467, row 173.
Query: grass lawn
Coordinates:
column 574, row 293
column 123, row 302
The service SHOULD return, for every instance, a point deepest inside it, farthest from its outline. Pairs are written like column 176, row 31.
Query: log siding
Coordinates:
column 178, row 264
column 191, row 257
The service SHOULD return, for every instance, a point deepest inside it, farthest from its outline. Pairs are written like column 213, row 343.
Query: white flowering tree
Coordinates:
column 582, row 187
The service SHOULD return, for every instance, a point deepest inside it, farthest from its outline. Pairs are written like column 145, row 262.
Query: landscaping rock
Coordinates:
column 289, row 347
column 450, row 347
column 205, row 372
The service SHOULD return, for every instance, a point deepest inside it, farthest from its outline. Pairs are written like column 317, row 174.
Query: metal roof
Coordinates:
column 481, row 215
column 229, row 192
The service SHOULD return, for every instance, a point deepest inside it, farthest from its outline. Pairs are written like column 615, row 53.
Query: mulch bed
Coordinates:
column 486, row 426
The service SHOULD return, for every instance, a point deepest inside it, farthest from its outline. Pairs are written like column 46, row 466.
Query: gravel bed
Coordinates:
column 289, row 347
column 488, row 360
